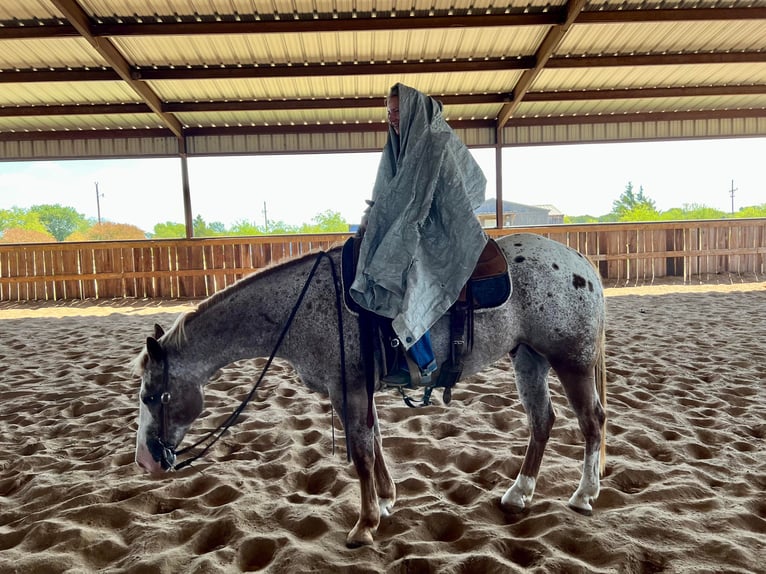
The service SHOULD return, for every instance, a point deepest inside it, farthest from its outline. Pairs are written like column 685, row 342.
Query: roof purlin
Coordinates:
column 46, row 29
column 79, row 19
column 542, row 56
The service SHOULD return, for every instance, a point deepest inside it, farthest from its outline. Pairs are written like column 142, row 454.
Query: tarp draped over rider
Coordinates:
column 422, row 239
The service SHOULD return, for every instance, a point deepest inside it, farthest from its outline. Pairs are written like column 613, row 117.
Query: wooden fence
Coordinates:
column 197, row 268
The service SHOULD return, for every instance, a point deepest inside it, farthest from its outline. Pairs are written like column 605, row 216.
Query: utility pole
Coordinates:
column 731, row 194
column 98, row 203
column 265, row 217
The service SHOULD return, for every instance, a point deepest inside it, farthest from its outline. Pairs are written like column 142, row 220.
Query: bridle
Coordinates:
column 163, row 399
column 169, row 453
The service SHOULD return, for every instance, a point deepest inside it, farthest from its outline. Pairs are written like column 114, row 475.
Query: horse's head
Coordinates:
column 169, row 403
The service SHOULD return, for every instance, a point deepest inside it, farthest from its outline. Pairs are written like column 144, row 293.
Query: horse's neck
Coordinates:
column 248, row 321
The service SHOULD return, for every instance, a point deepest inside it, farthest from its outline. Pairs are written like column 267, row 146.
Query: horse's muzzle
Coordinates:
column 163, row 454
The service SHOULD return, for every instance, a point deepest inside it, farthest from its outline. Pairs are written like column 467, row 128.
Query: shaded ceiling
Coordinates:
column 132, row 78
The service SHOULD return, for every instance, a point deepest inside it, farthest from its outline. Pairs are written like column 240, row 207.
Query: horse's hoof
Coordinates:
column 512, row 508
column 357, row 539
column 583, row 511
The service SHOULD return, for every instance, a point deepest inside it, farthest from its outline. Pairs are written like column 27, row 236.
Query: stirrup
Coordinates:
column 412, row 378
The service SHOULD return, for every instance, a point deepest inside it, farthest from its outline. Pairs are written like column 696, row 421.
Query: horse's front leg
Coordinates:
column 386, row 490
column 362, row 445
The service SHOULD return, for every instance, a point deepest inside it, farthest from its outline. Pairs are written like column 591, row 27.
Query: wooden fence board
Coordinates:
column 199, row 267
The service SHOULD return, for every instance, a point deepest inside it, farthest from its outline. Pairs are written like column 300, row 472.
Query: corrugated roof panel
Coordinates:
column 595, row 5
column 627, row 131
column 657, row 105
column 650, row 76
column 48, row 53
column 28, row 10
column 282, row 117
column 663, row 36
column 372, row 116
column 323, row 8
column 78, row 123
column 20, row 94
column 331, row 86
column 330, row 47
column 284, row 143
column 80, row 148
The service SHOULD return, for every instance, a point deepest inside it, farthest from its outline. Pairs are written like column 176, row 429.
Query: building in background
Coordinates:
column 518, row 214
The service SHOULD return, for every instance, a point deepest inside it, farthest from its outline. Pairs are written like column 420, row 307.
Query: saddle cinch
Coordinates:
column 489, row 286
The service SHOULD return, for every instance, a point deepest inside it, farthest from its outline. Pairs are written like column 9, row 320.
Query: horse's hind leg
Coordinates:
column 581, row 392
column 531, row 381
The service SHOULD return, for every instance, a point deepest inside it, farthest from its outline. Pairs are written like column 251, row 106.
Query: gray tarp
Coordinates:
column 423, row 239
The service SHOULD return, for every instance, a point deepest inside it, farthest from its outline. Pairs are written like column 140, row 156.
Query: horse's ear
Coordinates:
column 158, row 331
column 155, row 350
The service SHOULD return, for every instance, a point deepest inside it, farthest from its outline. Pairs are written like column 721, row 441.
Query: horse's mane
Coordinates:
column 175, row 335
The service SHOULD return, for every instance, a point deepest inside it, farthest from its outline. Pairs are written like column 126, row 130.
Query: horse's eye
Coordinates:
column 149, row 399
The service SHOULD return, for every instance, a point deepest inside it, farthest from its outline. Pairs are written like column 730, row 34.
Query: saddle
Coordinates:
column 489, row 286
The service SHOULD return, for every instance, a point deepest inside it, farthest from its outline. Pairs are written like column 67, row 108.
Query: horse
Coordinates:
column 554, row 318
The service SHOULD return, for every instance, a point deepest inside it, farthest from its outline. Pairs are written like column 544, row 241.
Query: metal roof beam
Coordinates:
column 674, row 116
column 670, row 15
column 638, row 93
column 544, row 52
column 632, row 60
column 10, row 30
column 376, row 101
column 311, row 25
column 318, row 70
column 79, row 19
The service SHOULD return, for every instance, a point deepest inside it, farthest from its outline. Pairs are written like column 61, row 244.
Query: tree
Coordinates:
column 326, row 222
column 169, row 230
column 692, row 211
column 752, row 211
column 245, row 227
column 280, row 228
column 59, row 221
column 202, row 229
column 580, row 219
column 633, row 206
column 108, row 232
column 18, row 235
column 19, row 218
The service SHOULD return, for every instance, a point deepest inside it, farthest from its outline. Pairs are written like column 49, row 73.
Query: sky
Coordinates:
column 576, row 179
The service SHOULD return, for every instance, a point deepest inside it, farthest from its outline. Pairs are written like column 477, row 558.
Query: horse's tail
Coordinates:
column 600, row 372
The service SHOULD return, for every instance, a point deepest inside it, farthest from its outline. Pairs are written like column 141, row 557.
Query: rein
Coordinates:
column 218, row 432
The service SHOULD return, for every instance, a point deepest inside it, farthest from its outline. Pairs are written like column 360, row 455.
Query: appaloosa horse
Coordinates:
column 554, row 318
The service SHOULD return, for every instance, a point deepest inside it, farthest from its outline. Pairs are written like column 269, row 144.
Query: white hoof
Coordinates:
column 580, row 502
column 519, row 495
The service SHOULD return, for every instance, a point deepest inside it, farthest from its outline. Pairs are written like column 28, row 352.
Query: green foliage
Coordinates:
column 641, row 212
column 692, row 211
column 280, row 228
column 630, row 201
column 59, row 221
column 580, row 219
column 326, row 222
column 244, row 227
column 17, row 218
column 752, row 211
column 169, row 230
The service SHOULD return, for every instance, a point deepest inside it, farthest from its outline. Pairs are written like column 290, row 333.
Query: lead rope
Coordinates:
column 224, row 426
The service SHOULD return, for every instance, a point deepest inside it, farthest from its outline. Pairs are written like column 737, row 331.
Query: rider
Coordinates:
column 421, row 239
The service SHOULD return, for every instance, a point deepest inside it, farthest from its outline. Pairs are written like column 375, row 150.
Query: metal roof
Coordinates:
column 126, row 78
